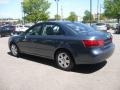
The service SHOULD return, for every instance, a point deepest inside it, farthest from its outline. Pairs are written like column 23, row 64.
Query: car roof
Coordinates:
column 57, row 22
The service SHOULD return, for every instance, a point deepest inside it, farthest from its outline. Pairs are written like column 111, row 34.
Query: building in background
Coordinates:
column 8, row 21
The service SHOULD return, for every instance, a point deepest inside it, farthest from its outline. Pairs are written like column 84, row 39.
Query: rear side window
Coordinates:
column 78, row 27
column 52, row 30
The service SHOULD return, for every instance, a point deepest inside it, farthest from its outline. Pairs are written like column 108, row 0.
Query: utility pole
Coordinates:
column 97, row 10
column 23, row 14
column 90, row 12
column 61, row 13
column 100, row 12
column 57, row 7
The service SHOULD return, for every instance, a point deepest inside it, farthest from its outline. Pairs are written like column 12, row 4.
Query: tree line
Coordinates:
column 37, row 10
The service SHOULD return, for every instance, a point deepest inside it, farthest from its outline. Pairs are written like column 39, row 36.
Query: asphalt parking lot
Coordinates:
column 33, row 73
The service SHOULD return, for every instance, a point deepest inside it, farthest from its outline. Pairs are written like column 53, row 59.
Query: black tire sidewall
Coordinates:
column 1, row 35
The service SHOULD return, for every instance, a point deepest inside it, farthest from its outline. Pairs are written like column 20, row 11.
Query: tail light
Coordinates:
column 111, row 39
column 93, row 43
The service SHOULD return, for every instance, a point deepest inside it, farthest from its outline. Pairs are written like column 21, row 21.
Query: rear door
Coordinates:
column 52, row 36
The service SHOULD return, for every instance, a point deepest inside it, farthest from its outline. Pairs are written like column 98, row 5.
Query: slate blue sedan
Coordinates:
column 67, row 43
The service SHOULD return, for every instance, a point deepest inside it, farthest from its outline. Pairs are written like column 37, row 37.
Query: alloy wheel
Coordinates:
column 63, row 60
column 14, row 50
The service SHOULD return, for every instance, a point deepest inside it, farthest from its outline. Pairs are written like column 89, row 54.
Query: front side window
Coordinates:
column 37, row 30
column 52, row 30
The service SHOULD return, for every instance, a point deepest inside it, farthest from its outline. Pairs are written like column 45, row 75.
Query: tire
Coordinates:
column 1, row 35
column 64, row 60
column 14, row 50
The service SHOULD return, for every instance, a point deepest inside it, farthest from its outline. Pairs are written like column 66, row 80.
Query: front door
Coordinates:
column 28, row 42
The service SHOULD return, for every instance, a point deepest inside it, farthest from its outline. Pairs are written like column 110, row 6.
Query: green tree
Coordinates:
column 36, row 10
column 102, row 17
column 72, row 17
column 112, row 9
column 57, row 17
column 87, row 17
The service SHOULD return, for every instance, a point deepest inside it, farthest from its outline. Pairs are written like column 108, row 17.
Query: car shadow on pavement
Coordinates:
column 89, row 68
column 83, row 68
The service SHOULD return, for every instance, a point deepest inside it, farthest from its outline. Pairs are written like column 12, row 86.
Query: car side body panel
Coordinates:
column 46, row 46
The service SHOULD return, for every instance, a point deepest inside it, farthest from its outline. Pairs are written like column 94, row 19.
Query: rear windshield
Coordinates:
column 100, row 24
column 79, row 27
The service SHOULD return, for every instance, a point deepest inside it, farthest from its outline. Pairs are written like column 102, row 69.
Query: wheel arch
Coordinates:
column 12, row 43
column 15, row 44
column 66, row 50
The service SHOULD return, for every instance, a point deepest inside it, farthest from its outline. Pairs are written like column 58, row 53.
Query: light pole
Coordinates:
column 97, row 10
column 61, row 13
column 57, row 7
column 90, row 12
column 100, row 12
column 23, row 14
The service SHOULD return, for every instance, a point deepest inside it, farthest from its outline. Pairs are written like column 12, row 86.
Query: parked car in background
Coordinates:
column 114, row 26
column 6, row 30
column 108, row 26
column 100, row 26
column 67, row 43
column 20, row 28
column 117, row 30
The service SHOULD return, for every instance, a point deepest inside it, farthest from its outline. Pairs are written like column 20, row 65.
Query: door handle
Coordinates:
column 25, row 40
column 34, row 40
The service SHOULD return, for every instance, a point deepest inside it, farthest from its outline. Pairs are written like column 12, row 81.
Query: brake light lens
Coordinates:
column 93, row 43
column 111, row 39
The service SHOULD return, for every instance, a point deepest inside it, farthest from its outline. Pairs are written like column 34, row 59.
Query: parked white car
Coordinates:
column 100, row 26
column 20, row 28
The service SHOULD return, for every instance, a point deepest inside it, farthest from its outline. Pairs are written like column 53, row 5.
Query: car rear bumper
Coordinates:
column 95, row 56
